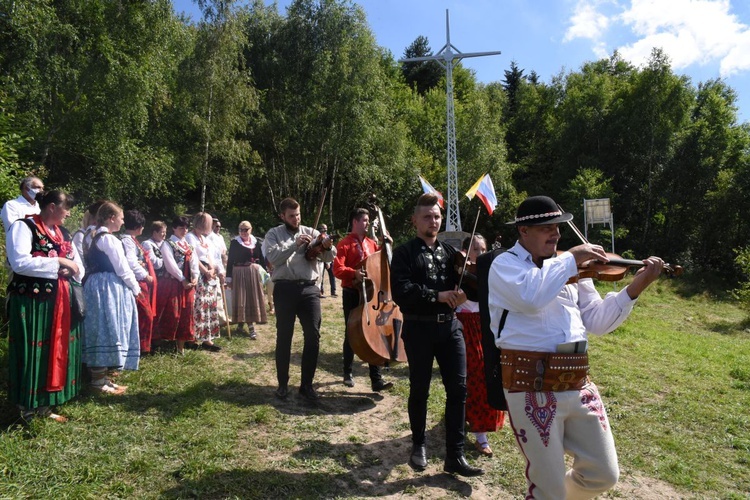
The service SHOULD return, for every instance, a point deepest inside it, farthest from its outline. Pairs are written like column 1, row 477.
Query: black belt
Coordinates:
column 298, row 282
column 430, row 318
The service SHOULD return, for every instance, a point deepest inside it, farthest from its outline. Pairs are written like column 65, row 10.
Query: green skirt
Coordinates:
column 28, row 353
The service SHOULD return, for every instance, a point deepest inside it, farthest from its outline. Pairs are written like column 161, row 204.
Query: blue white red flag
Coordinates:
column 427, row 188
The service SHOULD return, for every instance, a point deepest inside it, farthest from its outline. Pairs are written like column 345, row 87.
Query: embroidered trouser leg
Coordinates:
column 549, row 424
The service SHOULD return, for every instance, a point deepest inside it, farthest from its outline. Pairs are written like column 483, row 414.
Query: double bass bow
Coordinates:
column 374, row 326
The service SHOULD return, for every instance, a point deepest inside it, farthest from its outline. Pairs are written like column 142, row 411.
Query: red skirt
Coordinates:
column 145, row 316
column 174, row 311
column 480, row 415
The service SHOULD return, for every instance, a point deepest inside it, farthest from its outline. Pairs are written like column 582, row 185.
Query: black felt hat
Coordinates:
column 538, row 210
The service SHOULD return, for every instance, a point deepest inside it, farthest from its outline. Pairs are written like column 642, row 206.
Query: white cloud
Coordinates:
column 689, row 31
column 586, row 22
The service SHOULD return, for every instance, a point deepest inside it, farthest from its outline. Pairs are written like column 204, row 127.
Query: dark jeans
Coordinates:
column 443, row 342
column 350, row 300
column 331, row 279
column 296, row 301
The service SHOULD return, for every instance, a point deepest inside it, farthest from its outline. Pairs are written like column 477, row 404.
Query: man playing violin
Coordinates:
column 296, row 293
column 541, row 324
column 351, row 251
column 424, row 285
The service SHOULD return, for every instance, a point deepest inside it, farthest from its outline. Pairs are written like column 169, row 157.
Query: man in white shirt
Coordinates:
column 23, row 206
column 541, row 320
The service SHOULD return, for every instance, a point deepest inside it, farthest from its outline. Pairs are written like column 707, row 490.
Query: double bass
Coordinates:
column 374, row 326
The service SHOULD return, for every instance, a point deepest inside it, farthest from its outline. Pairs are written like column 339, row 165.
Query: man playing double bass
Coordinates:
column 350, row 252
column 424, row 285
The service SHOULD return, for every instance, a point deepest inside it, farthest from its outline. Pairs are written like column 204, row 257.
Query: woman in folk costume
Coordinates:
column 207, row 290
column 176, row 289
column 481, row 416
column 110, row 337
column 153, row 246
column 245, row 265
column 143, row 269
column 44, row 350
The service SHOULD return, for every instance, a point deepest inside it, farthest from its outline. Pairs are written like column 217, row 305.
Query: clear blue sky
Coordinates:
column 704, row 39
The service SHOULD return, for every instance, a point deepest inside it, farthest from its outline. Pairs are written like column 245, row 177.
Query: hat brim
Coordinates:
column 565, row 217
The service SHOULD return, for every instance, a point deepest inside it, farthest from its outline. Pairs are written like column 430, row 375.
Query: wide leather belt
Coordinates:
column 430, row 318
column 524, row 371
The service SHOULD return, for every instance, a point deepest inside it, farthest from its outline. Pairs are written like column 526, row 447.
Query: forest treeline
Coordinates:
column 233, row 112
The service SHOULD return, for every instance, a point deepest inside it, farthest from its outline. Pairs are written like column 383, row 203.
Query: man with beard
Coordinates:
column 296, row 293
column 424, row 285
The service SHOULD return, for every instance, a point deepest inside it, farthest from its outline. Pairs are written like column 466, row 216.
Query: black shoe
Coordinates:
column 418, row 458
column 192, row 346
column 334, row 294
column 282, row 392
column 210, row 347
column 308, row 392
column 381, row 385
column 348, row 380
column 460, row 466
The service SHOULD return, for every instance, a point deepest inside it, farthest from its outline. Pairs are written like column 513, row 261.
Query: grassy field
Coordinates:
column 675, row 380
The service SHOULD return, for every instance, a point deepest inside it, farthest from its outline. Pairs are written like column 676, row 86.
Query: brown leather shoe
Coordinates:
column 484, row 450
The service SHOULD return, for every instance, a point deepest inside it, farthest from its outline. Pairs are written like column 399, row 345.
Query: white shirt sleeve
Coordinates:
column 112, row 246
column 169, row 263
column 151, row 245
column 131, row 254
column 18, row 249
column 599, row 315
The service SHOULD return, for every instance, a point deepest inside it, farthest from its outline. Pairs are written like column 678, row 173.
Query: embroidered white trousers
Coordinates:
column 547, row 425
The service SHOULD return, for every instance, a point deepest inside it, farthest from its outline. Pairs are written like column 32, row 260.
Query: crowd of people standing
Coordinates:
column 141, row 295
column 103, row 297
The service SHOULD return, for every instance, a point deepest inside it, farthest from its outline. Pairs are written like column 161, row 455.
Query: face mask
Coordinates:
column 33, row 192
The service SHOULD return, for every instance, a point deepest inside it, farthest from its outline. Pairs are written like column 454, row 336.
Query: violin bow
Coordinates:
column 320, row 208
column 574, row 227
column 468, row 250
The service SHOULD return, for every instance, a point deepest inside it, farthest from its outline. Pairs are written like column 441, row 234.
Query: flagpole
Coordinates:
column 468, row 250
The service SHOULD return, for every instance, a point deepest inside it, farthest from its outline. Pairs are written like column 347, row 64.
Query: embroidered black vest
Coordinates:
column 179, row 257
column 41, row 246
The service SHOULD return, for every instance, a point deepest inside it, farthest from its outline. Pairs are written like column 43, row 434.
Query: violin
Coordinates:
column 615, row 269
column 318, row 245
column 469, row 270
column 612, row 270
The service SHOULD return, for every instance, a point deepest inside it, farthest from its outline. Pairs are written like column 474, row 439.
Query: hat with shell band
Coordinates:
column 538, row 210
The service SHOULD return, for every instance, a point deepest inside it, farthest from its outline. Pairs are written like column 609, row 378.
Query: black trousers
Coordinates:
column 296, row 301
column 425, row 342
column 350, row 300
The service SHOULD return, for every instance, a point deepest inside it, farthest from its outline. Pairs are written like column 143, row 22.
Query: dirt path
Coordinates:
column 367, row 434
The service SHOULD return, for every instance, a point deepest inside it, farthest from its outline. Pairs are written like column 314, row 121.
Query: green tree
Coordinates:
column 422, row 75
column 217, row 99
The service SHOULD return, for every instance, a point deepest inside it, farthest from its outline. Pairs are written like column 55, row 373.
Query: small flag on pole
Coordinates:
column 427, row 188
column 486, row 192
